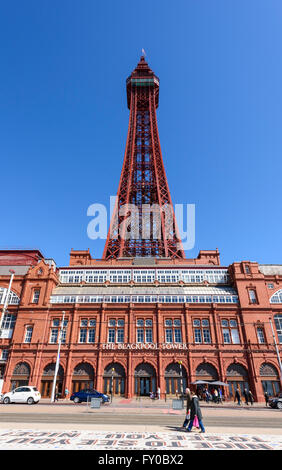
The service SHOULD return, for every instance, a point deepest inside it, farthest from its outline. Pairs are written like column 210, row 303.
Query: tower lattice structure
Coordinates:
column 143, row 181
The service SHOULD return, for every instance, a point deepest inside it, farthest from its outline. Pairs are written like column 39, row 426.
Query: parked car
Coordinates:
column 87, row 394
column 276, row 402
column 24, row 394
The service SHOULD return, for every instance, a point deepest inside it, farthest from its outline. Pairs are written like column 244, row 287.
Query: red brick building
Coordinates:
column 144, row 316
column 140, row 317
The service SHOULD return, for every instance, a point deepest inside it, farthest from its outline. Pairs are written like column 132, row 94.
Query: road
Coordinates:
column 252, row 420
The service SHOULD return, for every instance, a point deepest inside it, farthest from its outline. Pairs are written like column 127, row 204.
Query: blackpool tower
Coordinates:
column 143, row 222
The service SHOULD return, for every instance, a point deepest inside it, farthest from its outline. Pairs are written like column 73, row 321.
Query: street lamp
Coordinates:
column 58, row 359
column 112, row 382
column 181, row 381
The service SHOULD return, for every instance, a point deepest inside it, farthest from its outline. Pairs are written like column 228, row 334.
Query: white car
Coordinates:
column 24, row 394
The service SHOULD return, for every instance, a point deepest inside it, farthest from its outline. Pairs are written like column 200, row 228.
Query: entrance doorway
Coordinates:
column 175, row 379
column 145, row 380
column 237, row 377
column 114, row 380
column 47, row 381
column 269, row 379
column 20, row 376
column 83, row 377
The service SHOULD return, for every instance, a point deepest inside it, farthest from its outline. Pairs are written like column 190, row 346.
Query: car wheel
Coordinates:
column 30, row 401
column 76, row 400
column 6, row 400
column 279, row 405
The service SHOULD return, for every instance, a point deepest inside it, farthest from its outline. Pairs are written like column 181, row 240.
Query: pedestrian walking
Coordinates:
column 195, row 411
column 266, row 397
column 220, row 396
column 246, row 396
column 66, row 393
column 251, row 397
column 159, row 393
column 237, row 396
column 215, row 395
column 188, row 407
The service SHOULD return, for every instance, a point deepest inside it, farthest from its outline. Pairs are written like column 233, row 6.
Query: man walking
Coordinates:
column 246, row 395
column 266, row 397
column 238, row 396
column 195, row 411
column 251, row 397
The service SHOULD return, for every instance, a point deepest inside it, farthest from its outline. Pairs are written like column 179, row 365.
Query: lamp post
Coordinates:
column 58, row 359
column 181, row 381
column 6, row 301
column 112, row 382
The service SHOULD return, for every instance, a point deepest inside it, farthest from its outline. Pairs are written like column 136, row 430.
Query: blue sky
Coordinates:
column 64, row 117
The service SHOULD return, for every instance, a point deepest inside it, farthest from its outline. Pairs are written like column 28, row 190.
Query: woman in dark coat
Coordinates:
column 195, row 411
column 188, row 406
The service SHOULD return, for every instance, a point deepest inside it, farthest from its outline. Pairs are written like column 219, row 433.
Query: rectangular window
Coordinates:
column 260, row 333
column 111, row 335
column 226, row 336
column 120, row 335
column 149, row 335
column 9, row 321
column 235, row 336
column 54, row 335
column 198, row 335
column 206, row 335
column 5, row 354
column 253, row 296
column 91, row 335
column 28, row 334
column 177, row 335
column 82, row 335
column 140, row 336
column 168, row 336
column 36, row 294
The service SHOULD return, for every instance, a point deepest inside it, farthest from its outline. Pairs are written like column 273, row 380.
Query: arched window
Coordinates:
column 13, row 298
column 276, row 298
column 206, row 371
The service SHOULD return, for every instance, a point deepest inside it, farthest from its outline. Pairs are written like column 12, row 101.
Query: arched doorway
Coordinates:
column 114, row 379
column 237, row 377
column 269, row 379
column 144, row 380
column 175, row 379
column 206, row 371
column 47, row 380
column 20, row 375
column 83, row 377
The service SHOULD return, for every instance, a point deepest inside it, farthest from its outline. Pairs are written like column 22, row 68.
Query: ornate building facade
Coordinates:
column 143, row 316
